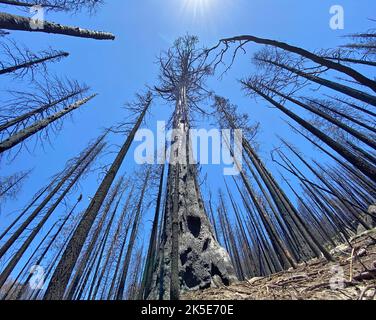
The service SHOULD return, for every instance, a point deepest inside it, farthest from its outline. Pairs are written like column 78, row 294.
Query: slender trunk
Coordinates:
column 353, row 105
column 355, row 61
column 43, row 204
column 367, row 184
column 51, row 242
column 24, row 211
column 122, row 246
column 356, row 94
column 15, row 22
column 16, row 258
column 368, row 169
column 128, row 256
column 329, row 118
column 311, row 56
column 39, row 125
column 109, row 255
column 150, row 258
column 103, row 244
column 86, row 256
column 346, row 116
column 63, row 271
column 31, row 63
column 16, row 280
column 36, row 111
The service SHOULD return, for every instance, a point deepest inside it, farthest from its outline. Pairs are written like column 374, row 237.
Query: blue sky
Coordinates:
column 118, row 69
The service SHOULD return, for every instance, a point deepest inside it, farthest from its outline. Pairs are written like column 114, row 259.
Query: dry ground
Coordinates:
column 351, row 277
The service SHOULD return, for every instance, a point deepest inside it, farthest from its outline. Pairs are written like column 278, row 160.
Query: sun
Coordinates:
column 199, row 7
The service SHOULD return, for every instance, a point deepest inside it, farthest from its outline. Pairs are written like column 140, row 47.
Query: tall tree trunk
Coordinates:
column 354, row 93
column 327, row 117
column 63, row 271
column 356, row 107
column 24, row 211
column 15, row 22
column 36, row 111
column 346, row 116
column 109, row 254
column 151, row 255
column 93, row 240
column 128, row 256
column 14, row 288
column 33, row 62
column 368, row 169
column 119, row 258
column 355, row 61
column 39, row 125
column 51, row 242
column 65, row 176
column 309, row 55
column 16, row 258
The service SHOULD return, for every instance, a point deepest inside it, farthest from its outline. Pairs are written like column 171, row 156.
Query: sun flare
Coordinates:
column 199, row 7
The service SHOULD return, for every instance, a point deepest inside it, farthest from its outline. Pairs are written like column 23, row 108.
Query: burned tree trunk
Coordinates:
column 21, row 136
column 63, row 271
column 190, row 258
column 306, row 54
column 15, row 22
column 136, row 223
column 368, row 169
column 31, row 63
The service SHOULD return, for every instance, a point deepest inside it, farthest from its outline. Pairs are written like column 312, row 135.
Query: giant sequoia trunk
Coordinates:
column 190, row 258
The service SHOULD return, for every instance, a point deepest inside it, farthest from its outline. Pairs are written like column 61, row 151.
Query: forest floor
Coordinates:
column 352, row 276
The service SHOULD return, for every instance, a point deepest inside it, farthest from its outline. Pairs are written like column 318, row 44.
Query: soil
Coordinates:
column 352, row 276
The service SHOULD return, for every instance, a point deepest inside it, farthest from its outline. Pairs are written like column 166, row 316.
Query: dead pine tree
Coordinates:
column 254, row 86
column 50, row 244
column 81, row 170
column 20, row 61
column 189, row 254
column 152, row 250
column 20, row 23
column 61, row 276
column 11, row 185
column 242, row 40
column 24, row 134
column 57, row 5
column 53, row 189
column 140, row 207
column 89, row 250
column 229, row 118
column 25, row 107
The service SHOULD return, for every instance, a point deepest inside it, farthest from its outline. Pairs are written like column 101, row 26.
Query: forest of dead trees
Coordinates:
column 150, row 231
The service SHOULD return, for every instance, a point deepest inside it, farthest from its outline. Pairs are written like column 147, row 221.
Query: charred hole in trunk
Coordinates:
column 205, row 286
column 206, row 245
column 190, row 279
column 215, row 272
column 194, row 225
column 181, row 226
column 184, row 256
